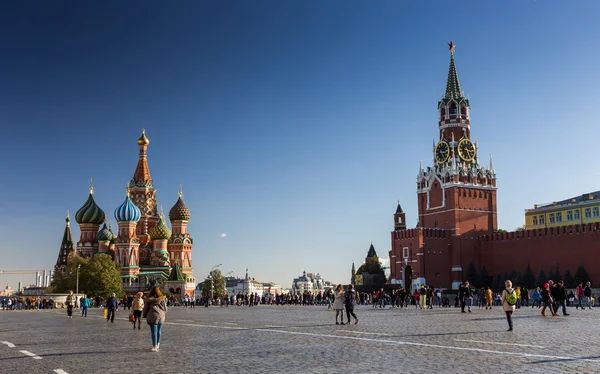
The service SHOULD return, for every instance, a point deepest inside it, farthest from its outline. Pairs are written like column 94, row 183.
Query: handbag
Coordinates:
column 131, row 318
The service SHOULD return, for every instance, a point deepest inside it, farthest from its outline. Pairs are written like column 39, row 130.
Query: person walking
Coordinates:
column 155, row 313
column 112, row 305
column 509, row 301
column 580, row 295
column 338, row 304
column 350, row 301
column 70, row 302
column 84, row 303
column 547, row 300
column 137, row 307
column 488, row 298
column 560, row 297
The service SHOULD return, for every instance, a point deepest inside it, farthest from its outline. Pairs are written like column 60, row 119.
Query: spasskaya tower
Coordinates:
column 456, row 193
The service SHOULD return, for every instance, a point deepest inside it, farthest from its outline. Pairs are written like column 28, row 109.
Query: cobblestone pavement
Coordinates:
column 302, row 340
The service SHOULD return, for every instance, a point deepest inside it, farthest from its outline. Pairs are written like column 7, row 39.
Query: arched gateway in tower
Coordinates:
column 456, row 198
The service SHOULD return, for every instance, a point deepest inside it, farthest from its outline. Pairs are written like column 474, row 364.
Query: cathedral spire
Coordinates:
column 141, row 176
column 452, row 85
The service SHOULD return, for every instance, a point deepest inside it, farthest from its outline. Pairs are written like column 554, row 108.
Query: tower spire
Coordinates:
column 141, row 176
column 452, row 85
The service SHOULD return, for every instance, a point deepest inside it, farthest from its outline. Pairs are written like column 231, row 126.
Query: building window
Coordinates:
column 551, row 217
column 542, row 219
column 596, row 212
column 405, row 252
column 559, row 217
column 576, row 214
column 535, row 220
column 570, row 215
column 588, row 213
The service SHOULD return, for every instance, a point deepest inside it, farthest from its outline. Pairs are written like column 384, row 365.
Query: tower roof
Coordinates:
column 141, row 176
column 90, row 212
column 67, row 244
column 371, row 252
column 160, row 231
column 128, row 212
column 452, row 85
column 176, row 274
column 399, row 208
column 105, row 234
column 179, row 211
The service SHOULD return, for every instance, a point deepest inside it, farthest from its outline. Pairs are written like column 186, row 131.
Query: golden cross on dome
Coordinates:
column 451, row 46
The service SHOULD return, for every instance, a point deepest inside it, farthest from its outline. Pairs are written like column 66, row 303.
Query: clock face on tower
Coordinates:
column 466, row 150
column 442, row 152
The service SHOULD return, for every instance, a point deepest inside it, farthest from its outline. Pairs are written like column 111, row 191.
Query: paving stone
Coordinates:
column 269, row 339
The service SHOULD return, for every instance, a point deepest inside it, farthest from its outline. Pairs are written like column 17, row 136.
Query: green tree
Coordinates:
column 484, row 278
column 214, row 283
column 557, row 274
column 373, row 267
column 581, row 275
column 569, row 280
column 497, row 282
column 98, row 276
column 528, row 277
column 472, row 275
column 541, row 278
column 521, row 228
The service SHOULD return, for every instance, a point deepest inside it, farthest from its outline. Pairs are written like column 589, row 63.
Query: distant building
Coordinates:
column 7, row 291
column 308, row 282
column 573, row 211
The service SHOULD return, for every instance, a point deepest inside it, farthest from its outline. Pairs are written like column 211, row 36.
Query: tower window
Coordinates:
column 453, row 109
column 463, row 110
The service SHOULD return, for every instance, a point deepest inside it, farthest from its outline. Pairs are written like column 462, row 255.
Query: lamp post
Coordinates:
column 77, row 289
column 211, row 281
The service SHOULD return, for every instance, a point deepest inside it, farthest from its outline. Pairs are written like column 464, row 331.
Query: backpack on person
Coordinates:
column 511, row 297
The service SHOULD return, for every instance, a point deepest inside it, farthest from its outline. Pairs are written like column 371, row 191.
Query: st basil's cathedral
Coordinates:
column 145, row 247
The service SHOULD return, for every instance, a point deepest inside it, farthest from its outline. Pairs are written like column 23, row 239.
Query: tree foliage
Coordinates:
column 528, row 279
column 371, row 267
column 581, row 275
column 541, row 278
column 551, row 275
column 98, row 276
column 569, row 280
column 484, row 278
column 214, row 283
column 557, row 274
column 472, row 275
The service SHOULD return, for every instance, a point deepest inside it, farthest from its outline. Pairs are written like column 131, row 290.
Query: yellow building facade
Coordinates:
column 574, row 211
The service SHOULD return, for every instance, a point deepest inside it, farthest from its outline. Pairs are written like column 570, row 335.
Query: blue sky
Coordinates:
column 294, row 127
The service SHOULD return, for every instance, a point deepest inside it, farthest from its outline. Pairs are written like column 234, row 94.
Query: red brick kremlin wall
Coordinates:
column 570, row 246
column 433, row 252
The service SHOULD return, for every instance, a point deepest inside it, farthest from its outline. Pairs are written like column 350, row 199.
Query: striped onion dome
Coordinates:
column 179, row 211
column 161, row 231
column 128, row 212
column 90, row 212
column 105, row 234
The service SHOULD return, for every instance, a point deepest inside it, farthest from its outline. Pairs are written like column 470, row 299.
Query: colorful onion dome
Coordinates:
column 128, row 212
column 90, row 212
column 161, row 231
column 179, row 211
column 143, row 140
column 105, row 234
